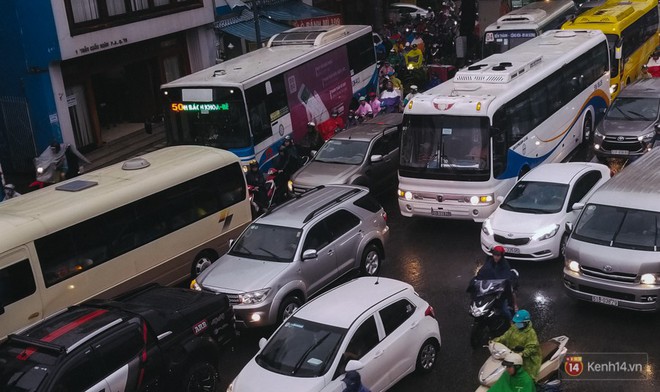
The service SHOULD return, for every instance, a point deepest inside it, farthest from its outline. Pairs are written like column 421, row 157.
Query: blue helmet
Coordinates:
column 521, row 316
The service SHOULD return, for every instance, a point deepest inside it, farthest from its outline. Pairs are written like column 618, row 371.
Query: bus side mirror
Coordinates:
column 617, row 50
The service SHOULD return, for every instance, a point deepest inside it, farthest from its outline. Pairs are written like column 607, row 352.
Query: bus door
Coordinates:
column 20, row 301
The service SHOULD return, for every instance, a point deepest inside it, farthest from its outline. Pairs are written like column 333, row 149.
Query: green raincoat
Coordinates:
column 527, row 339
column 520, row 382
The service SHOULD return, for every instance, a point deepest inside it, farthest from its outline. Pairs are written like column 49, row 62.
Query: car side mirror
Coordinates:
column 569, row 227
column 309, row 254
column 577, row 206
column 231, row 242
column 313, row 153
column 499, row 199
column 376, row 158
column 354, row 365
column 657, row 129
column 262, row 343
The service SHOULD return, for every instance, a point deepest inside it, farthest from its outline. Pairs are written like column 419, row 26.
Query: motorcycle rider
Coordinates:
column 515, row 379
column 255, row 178
column 353, row 382
column 497, row 267
column 312, row 141
column 521, row 338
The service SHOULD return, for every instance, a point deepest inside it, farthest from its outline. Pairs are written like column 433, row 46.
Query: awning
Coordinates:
column 246, row 29
column 297, row 13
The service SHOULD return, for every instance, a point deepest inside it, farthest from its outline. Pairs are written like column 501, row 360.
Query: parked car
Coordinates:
column 296, row 249
column 155, row 339
column 408, row 10
column 530, row 222
column 631, row 125
column 378, row 326
column 367, row 154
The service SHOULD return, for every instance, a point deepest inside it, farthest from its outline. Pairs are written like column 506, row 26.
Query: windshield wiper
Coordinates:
column 307, row 352
column 242, row 250
column 278, row 258
column 624, row 114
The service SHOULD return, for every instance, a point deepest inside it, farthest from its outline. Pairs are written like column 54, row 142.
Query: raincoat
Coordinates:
column 519, row 382
column 525, row 338
column 415, row 58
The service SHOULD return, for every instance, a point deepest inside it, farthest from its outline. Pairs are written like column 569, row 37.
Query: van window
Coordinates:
column 16, row 282
column 619, row 227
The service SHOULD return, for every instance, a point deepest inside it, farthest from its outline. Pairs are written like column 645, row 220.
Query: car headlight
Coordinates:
column 253, row 297
column 289, row 185
column 646, row 138
column 546, row 232
column 573, row 265
column 195, row 286
column 598, row 134
column 486, row 227
column 480, row 199
column 648, row 279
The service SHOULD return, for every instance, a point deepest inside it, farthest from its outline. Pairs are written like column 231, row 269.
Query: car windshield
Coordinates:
column 26, row 374
column 348, row 152
column 645, row 109
column 536, row 197
column 301, row 348
column 619, row 227
column 267, row 242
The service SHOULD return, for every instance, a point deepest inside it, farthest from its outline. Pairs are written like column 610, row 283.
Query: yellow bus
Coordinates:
column 159, row 218
column 631, row 28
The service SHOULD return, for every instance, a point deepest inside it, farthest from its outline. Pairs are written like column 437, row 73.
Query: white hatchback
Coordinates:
column 530, row 222
column 377, row 326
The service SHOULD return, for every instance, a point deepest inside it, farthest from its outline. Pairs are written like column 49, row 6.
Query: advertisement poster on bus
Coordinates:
column 318, row 88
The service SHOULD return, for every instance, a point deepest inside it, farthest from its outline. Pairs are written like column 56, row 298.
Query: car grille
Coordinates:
column 627, row 143
column 606, row 293
column 511, row 241
column 233, row 298
column 616, row 276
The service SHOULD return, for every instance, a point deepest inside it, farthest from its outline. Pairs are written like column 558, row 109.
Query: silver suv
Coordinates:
column 293, row 251
column 367, row 154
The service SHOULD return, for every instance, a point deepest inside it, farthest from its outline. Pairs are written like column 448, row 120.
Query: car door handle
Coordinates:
column 331, row 252
column 414, row 324
column 378, row 353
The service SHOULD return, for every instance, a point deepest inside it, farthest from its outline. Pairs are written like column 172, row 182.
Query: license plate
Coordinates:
column 511, row 250
column 440, row 213
column 620, row 152
column 604, row 300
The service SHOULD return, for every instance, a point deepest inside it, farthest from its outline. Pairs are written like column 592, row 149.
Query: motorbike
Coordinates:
column 270, row 193
column 46, row 168
column 553, row 352
column 486, row 308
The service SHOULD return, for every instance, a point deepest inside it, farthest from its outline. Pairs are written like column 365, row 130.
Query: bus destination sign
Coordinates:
column 199, row 107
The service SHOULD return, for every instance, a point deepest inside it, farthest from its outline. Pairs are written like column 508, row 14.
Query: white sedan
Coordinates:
column 530, row 222
column 377, row 326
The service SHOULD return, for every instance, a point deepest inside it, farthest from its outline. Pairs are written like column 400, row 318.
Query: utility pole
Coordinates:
column 257, row 29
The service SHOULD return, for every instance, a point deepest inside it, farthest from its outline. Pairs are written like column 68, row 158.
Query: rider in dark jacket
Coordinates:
column 497, row 267
column 255, row 178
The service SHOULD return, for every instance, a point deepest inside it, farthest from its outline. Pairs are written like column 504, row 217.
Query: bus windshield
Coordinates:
column 501, row 41
column 207, row 116
column 449, row 146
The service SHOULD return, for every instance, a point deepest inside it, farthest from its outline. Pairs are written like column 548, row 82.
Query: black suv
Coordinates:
column 154, row 339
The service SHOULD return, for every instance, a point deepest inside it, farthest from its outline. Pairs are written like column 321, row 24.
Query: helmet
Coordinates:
column 287, row 138
column 521, row 316
column 254, row 164
column 498, row 249
column 310, row 124
column 512, row 359
column 413, row 87
column 10, row 186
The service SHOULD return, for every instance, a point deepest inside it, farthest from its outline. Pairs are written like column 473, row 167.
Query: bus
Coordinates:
column 465, row 142
column 631, row 28
column 248, row 104
column 525, row 23
column 160, row 218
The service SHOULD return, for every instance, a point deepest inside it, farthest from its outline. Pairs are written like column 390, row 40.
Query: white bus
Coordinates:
column 160, row 218
column 248, row 104
column 525, row 23
column 466, row 141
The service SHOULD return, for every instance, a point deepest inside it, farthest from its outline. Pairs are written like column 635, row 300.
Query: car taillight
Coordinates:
column 384, row 214
column 430, row 312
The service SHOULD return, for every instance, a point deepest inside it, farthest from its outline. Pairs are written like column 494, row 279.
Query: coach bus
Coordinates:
column 631, row 28
column 248, row 104
column 465, row 142
column 159, row 218
column 525, row 23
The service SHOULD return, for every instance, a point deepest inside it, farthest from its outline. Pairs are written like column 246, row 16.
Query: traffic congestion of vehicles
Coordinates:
column 485, row 153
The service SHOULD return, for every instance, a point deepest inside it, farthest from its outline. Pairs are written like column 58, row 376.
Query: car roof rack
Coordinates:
column 344, row 196
column 296, row 197
column 33, row 342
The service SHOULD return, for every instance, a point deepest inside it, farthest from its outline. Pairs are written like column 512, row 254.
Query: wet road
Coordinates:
column 438, row 258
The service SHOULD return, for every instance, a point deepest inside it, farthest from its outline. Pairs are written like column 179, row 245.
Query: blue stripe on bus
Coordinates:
column 516, row 161
column 246, row 154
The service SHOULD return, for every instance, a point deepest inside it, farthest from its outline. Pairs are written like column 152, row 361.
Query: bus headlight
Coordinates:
column 573, row 265
column 486, row 227
column 254, row 297
column 481, row 199
column 546, row 232
column 405, row 194
column 646, row 138
column 246, row 168
column 648, row 279
column 614, row 88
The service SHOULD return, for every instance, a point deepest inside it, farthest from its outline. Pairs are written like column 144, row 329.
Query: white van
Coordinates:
column 613, row 253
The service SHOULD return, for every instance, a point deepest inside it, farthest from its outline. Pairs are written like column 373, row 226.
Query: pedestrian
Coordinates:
column 521, row 338
column 497, row 267
column 353, row 382
column 515, row 378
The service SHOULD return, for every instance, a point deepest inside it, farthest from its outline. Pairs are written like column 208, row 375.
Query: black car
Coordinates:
column 154, row 339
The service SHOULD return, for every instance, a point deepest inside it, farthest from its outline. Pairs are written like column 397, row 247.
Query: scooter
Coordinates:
column 270, row 193
column 553, row 352
column 486, row 309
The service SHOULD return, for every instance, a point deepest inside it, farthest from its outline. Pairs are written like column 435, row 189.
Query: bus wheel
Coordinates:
column 203, row 260
column 587, row 129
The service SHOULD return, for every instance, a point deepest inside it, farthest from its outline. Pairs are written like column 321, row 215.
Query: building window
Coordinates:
column 91, row 15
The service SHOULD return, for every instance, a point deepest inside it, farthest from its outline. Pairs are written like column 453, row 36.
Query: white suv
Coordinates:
column 294, row 250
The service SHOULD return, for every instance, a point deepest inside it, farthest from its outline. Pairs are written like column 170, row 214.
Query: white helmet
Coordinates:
column 512, row 359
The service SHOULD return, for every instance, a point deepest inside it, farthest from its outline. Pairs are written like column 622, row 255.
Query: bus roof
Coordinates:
column 502, row 76
column 296, row 44
column 531, row 16
column 612, row 16
column 637, row 186
column 36, row 214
